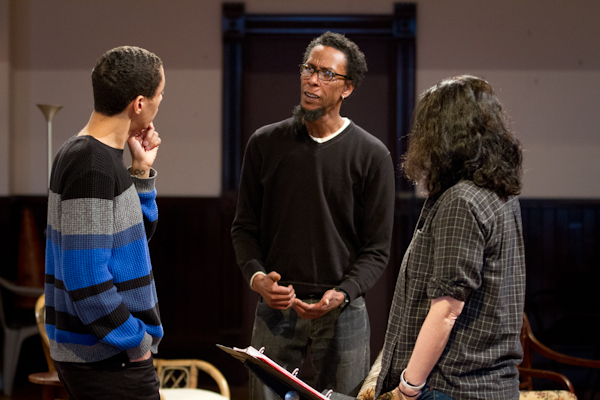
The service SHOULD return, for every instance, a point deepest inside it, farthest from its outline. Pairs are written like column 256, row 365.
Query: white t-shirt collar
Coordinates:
column 327, row 138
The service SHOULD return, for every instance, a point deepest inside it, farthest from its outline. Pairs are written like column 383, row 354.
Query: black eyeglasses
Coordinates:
column 307, row 71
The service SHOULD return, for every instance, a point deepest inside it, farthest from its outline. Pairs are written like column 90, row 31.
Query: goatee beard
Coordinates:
column 302, row 115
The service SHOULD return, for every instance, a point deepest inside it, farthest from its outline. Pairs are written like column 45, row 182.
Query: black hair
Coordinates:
column 460, row 132
column 356, row 65
column 122, row 74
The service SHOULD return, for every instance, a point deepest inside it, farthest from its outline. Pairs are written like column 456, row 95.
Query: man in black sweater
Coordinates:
column 313, row 224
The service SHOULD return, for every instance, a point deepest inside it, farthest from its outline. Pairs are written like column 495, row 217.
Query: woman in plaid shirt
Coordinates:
column 454, row 324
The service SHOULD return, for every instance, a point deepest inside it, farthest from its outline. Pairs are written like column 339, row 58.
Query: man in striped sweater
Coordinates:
column 102, row 314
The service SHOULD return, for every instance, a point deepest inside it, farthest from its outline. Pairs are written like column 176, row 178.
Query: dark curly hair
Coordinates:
column 122, row 74
column 459, row 132
column 356, row 65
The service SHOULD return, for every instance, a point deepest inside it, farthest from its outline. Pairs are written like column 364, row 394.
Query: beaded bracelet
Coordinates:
column 408, row 385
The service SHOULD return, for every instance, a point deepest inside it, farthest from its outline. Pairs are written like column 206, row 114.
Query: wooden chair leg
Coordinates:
column 48, row 393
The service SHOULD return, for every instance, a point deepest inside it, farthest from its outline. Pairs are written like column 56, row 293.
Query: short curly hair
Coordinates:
column 460, row 132
column 122, row 74
column 356, row 64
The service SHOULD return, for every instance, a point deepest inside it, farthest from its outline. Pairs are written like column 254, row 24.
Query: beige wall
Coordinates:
column 542, row 56
column 4, row 99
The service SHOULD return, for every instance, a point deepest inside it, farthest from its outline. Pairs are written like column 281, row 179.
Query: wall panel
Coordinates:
column 204, row 299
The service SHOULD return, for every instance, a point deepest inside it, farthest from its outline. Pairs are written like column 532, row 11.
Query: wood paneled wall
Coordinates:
column 204, row 300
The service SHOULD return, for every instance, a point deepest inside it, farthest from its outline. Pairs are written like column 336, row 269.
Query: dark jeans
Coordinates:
column 110, row 379
column 339, row 343
column 430, row 394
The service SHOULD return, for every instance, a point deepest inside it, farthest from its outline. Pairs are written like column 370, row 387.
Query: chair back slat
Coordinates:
column 184, row 374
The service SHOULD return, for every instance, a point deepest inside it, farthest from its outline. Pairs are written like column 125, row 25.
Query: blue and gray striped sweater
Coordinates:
column 100, row 293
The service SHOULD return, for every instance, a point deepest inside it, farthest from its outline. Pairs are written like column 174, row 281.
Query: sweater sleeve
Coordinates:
column 245, row 231
column 379, row 197
column 87, row 245
column 147, row 194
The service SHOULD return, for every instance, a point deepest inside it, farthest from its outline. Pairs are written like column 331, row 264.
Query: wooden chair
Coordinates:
column 530, row 344
column 17, row 325
column 52, row 386
column 179, row 379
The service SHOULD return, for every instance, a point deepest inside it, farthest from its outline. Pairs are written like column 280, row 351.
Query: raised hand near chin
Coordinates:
column 143, row 145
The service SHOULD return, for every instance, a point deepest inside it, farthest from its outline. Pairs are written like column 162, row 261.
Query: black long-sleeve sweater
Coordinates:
column 320, row 214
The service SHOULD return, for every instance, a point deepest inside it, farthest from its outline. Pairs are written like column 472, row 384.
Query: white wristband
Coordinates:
column 408, row 385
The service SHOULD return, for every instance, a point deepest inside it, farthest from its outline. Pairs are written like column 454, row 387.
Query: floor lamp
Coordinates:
column 49, row 110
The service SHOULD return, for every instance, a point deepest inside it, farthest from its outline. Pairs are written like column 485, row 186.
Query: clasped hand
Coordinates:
column 283, row 297
column 330, row 301
column 276, row 297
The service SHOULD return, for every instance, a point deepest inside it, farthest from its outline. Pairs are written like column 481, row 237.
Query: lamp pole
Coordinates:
column 49, row 110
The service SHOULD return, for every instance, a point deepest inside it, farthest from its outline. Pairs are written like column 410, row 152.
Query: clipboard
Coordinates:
column 280, row 380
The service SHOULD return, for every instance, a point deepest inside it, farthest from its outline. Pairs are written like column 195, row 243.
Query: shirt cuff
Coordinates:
column 138, row 352
column 144, row 185
column 437, row 288
column 254, row 276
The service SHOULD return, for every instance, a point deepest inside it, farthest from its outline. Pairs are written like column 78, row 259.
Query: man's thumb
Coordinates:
column 274, row 276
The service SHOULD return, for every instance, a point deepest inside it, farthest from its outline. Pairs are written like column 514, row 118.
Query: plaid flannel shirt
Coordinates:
column 468, row 245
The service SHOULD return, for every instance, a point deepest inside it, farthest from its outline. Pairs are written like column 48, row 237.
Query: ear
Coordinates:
column 348, row 89
column 138, row 104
